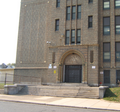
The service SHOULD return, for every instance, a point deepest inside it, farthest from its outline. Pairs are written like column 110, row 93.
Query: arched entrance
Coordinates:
column 72, row 67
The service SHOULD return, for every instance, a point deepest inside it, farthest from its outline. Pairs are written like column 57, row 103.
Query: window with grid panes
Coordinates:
column 106, row 25
column 106, row 4
column 78, row 39
column 72, row 36
column 67, row 37
column 79, row 12
column 117, row 24
column 117, row 3
column 106, row 52
column 57, row 3
column 89, row 21
column 57, row 25
column 117, row 51
column 106, row 76
column 68, row 13
column 117, row 76
column 73, row 12
column 90, row 1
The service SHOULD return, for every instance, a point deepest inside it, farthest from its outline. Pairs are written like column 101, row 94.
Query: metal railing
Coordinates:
column 6, row 78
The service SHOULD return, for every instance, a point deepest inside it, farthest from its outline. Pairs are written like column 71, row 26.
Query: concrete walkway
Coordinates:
column 60, row 101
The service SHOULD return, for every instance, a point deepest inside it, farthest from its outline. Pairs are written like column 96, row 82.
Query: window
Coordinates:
column 106, row 4
column 72, row 36
column 106, row 76
column 68, row 13
column 91, row 56
column 106, row 25
column 117, row 76
column 78, row 36
column 73, row 12
column 75, row 37
column 106, row 52
column 57, row 25
column 90, row 1
column 117, row 24
column 89, row 21
column 57, row 3
column 117, row 51
column 73, row 15
column 117, row 3
column 79, row 12
column 67, row 37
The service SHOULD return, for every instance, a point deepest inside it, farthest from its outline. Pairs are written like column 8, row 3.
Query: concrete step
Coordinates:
column 67, row 84
column 62, row 91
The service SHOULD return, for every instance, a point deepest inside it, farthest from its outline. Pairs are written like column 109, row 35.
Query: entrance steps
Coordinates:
column 62, row 90
column 68, row 84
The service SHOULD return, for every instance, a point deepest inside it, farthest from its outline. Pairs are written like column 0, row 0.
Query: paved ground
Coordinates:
column 60, row 101
column 24, row 107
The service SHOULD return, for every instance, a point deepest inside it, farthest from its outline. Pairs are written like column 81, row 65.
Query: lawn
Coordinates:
column 2, row 85
column 112, row 94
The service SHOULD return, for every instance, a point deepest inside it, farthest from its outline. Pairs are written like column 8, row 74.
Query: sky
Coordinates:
column 9, row 23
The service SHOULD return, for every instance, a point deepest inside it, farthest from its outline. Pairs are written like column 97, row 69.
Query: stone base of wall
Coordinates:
column 13, row 89
column 62, row 91
column 57, row 90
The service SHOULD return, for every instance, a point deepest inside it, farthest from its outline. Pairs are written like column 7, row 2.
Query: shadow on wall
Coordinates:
column 23, row 91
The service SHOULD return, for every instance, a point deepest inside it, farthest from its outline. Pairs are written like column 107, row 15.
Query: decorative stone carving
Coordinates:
column 73, row 59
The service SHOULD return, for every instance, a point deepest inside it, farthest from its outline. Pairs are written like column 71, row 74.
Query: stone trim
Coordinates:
column 66, row 53
column 7, row 69
column 31, row 68
column 74, row 45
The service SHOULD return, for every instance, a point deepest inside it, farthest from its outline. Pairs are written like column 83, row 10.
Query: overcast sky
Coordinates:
column 9, row 22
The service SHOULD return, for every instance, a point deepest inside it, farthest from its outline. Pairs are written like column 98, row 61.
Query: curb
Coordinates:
column 58, row 105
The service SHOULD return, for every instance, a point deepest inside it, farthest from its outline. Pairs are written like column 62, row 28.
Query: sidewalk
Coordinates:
column 60, row 101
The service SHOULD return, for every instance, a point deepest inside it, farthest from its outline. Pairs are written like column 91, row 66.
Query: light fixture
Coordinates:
column 48, row 42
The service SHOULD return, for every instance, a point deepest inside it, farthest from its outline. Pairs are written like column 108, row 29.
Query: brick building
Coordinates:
column 72, row 41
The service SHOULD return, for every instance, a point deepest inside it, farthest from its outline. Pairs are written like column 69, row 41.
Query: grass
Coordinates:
column 2, row 85
column 112, row 94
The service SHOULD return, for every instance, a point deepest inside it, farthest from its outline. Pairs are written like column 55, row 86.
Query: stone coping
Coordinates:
column 103, row 87
column 15, row 85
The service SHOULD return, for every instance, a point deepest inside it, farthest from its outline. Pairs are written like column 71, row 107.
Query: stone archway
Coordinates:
column 72, row 57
